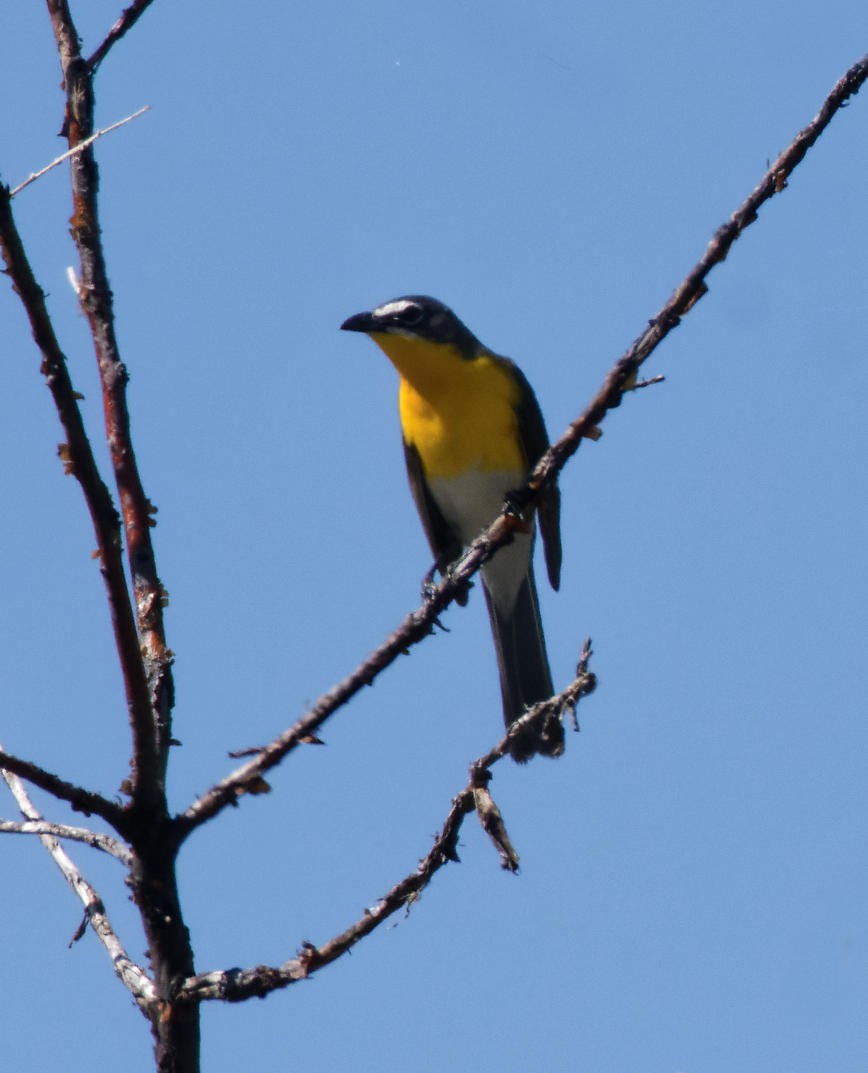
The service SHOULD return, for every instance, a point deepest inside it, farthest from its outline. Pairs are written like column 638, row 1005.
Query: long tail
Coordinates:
column 525, row 677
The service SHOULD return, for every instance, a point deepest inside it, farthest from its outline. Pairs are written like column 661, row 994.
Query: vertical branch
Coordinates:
column 147, row 823
column 79, row 461
column 152, row 723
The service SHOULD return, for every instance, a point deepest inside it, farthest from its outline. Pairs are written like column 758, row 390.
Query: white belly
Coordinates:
column 470, row 503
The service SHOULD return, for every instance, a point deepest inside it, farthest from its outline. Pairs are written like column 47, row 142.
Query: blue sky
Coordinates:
column 693, row 885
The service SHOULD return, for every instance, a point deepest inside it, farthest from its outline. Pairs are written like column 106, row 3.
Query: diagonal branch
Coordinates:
column 81, row 800
column 77, row 149
column 150, row 715
column 622, row 375
column 127, row 19
column 620, row 379
column 415, row 626
column 236, row 985
column 133, row 976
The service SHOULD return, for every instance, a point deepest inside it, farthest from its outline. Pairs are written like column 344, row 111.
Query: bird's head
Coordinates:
column 416, row 316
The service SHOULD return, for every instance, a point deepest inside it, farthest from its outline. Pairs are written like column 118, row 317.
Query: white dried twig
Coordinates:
column 77, row 149
column 96, row 839
column 133, row 976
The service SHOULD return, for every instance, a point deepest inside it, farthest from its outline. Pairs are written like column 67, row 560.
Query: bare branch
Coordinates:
column 128, row 18
column 133, row 976
column 150, row 709
column 415, row 626
column 77, row 149
column 236, row 985
column 78, row 459
column 85, row 801
column 622, row 376
column 146, row 660
column 95, row 839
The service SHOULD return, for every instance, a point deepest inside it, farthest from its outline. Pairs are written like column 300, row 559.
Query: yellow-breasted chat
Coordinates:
column 473, row 431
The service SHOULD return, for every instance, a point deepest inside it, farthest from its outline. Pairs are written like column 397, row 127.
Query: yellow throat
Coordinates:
column 459, row 413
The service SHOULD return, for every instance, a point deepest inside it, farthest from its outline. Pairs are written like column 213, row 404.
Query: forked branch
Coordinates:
column 133, row 976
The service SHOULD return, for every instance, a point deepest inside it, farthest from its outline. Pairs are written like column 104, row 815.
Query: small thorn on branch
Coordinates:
column 253, row 750
column 80, row 930
column 659, row 379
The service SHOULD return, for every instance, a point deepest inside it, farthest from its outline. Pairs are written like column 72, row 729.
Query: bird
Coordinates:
column 473, row 431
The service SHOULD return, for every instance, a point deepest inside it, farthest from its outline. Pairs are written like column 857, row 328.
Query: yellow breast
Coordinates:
column 459, row 414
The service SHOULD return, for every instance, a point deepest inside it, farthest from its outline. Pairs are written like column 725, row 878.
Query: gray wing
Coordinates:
column 444, row 545
column 535, row 442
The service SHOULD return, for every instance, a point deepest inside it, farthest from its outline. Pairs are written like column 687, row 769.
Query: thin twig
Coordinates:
column 133, row 976
column 649, row 382
column 95, row 839
column 76, row 149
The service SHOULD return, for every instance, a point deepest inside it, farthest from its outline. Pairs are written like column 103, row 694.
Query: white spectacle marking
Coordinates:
column 390, row 309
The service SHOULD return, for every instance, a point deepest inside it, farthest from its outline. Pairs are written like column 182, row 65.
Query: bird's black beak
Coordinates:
column 359, row 322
